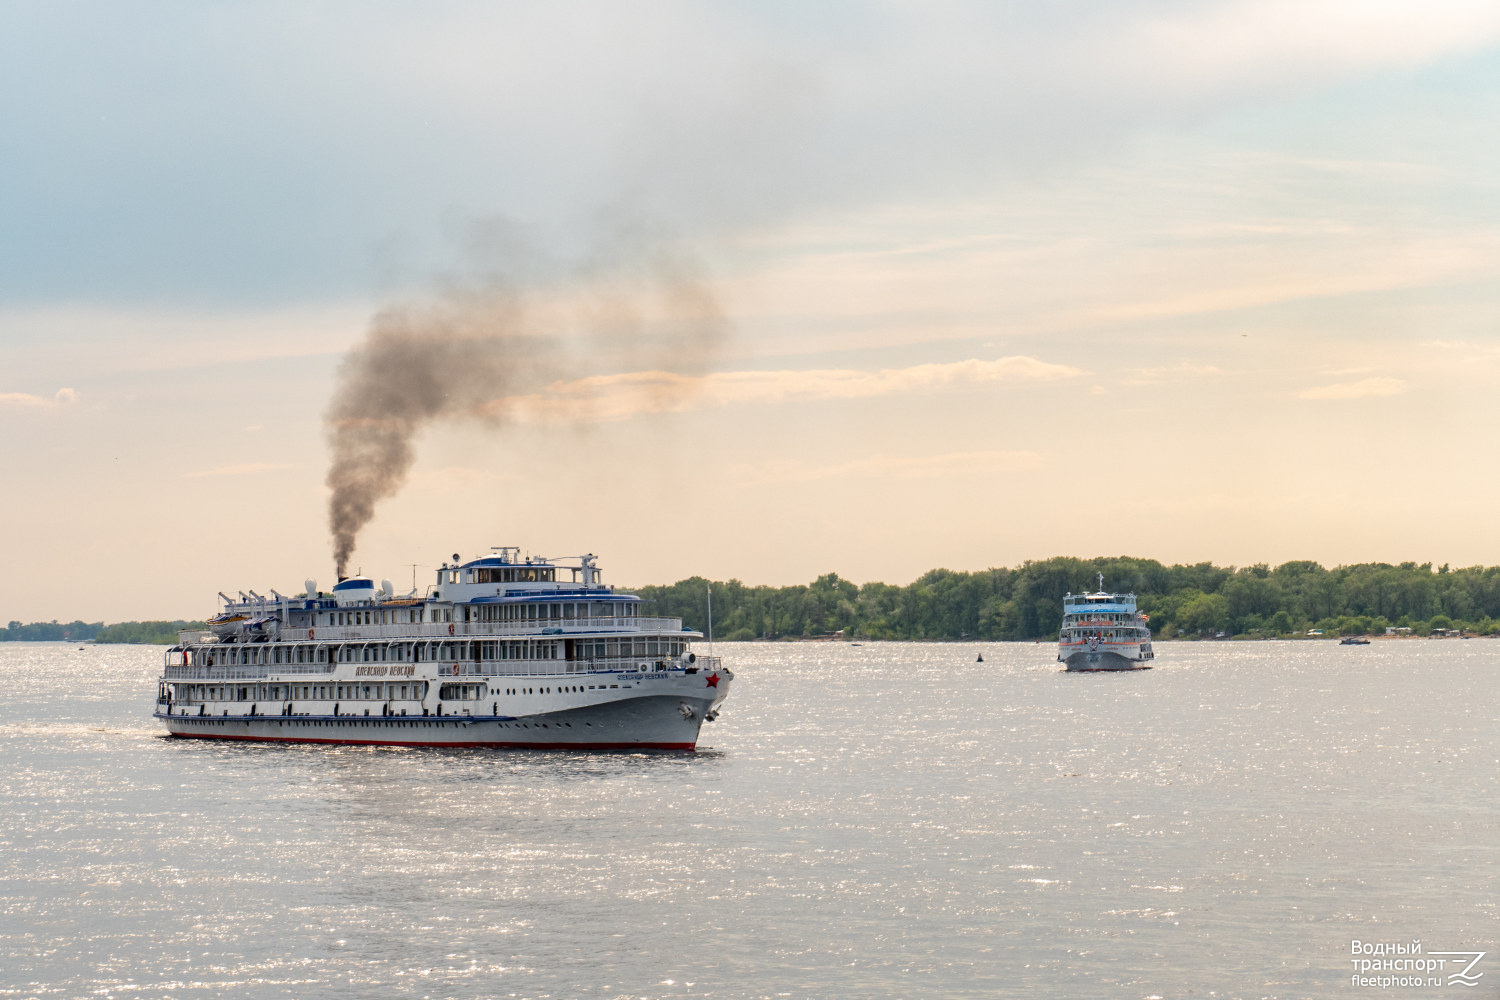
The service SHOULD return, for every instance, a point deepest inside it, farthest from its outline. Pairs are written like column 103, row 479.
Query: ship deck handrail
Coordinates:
column 484, row 668
column 542, row 628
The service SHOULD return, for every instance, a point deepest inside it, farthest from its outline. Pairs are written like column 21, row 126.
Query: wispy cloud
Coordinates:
column 1471, row 350
column 1165, row 373
column 605, row 398
column 1379, row 386
column 896, row 467
column 242, row 469
column 63, row 397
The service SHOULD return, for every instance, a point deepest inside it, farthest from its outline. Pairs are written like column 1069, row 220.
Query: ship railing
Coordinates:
column 534, row 629
column 244, row 671
column 530, row 668
column 482, row 668
column 544, row 628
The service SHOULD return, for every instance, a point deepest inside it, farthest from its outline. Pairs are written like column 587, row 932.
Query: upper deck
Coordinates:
column 498, row 594
column 1099, row 603
column 503, row 576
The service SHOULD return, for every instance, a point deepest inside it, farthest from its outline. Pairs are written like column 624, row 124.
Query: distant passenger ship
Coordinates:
column 1102, row 631
column 499, row 652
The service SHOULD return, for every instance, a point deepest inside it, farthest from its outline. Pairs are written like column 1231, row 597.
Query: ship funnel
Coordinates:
column 312, row 587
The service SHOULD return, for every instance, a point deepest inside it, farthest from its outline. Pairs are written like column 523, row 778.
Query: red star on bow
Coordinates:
column 713, row 680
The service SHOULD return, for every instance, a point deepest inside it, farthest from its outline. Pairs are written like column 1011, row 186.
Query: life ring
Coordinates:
column 309, row 633
column 450, row 628
column 455, row 670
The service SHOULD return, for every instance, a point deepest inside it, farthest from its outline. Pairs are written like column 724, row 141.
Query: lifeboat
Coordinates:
column 226, row 624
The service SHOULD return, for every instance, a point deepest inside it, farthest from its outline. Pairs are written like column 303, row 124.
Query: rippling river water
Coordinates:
column 885, row 820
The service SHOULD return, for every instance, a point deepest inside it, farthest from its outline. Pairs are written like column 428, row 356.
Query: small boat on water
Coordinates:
column 1104, row 631
column 1354, row 640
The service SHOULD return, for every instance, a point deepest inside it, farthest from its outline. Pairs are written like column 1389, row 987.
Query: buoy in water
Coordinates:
column 981, row 658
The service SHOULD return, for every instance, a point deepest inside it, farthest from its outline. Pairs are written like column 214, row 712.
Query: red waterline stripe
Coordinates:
column 413, row 743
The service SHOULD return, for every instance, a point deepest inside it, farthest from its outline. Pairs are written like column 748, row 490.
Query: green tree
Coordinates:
column 1205, row 614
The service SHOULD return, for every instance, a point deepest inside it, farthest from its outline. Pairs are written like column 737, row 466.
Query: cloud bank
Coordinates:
column 606, row 398
column 353, row 127
column 25, row 400
column 891, row 467
column 1379, row 386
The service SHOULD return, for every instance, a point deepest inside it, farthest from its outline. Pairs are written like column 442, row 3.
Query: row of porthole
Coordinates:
column 429, row 725
column 570, row 689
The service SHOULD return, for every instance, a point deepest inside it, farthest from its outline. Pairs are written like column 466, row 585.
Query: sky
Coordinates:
column 970, row 284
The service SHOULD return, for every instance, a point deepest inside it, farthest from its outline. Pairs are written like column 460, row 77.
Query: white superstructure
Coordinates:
column 1104, row 631
column 499, row 651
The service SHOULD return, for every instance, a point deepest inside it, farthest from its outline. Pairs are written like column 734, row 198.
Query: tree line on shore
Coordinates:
column 1025, row 603
column 159, row 633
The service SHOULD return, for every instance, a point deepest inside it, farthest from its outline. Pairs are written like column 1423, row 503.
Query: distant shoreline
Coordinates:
column 1024, row 603
column 930, row 642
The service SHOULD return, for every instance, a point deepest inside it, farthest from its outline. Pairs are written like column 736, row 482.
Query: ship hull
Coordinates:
column 1091, row 660
column 663, row 722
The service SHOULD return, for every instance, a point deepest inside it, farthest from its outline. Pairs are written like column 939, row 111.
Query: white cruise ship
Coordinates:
column 500, row 651
column 1104, row 631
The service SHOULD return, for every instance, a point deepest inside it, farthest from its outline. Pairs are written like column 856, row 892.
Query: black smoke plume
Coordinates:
column 459, row 356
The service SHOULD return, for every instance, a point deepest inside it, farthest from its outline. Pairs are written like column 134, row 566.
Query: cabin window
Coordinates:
column 460, row 692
